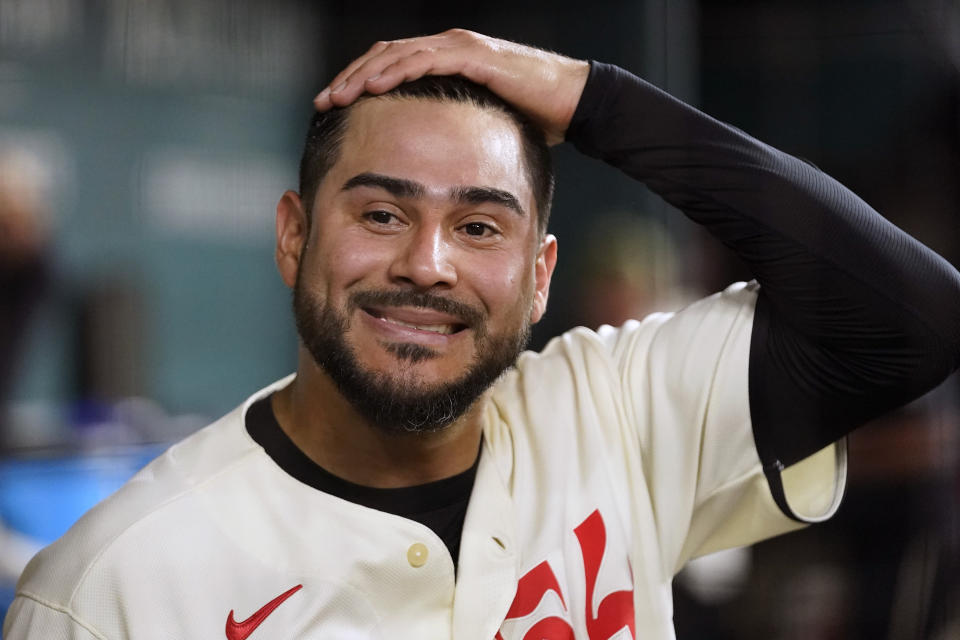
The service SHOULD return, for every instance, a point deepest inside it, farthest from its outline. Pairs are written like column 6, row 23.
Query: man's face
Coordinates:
column 423, row 269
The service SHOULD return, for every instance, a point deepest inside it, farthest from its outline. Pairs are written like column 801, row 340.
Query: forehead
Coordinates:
column 438, row 144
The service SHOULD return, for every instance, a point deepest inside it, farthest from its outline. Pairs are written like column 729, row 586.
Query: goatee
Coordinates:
column 401, row 402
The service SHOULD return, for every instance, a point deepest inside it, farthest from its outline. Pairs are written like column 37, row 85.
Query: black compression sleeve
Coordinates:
column 854, row 317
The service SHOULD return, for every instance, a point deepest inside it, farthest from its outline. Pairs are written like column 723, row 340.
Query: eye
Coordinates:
column 478, row 229
column 383, row 221
column 380, row 217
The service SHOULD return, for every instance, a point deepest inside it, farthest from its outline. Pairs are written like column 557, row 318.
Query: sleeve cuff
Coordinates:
column 811, row 490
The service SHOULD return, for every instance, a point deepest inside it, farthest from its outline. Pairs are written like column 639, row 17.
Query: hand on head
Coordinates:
column 544, row 85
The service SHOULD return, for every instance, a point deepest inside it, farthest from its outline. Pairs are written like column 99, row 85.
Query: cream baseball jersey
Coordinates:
column 608, row 461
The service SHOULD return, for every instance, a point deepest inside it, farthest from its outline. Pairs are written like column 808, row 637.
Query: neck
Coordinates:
column 326, row 427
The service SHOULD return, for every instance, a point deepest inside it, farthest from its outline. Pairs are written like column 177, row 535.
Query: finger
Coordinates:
column 371, row 69
column 346, row 82
column 454, row 52
column 346, row 72
column 389, row 64
column 322, row 101
column 426, row 62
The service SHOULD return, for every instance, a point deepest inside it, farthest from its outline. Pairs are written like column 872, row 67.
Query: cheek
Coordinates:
column 506, row 283
column 347, row 261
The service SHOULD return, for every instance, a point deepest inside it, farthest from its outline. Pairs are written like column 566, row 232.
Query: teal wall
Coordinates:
column 168, row 131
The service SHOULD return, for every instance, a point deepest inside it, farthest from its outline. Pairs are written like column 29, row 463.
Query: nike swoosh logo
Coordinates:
column 242, row 630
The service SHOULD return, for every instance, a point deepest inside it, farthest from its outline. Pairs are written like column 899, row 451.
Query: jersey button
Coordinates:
column 417, row 554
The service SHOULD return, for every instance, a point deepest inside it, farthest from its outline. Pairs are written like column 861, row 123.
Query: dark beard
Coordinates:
column 399, row 403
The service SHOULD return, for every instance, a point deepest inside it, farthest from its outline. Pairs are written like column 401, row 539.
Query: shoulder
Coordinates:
column 58, row 572
column 623, row 383
column 711, row 319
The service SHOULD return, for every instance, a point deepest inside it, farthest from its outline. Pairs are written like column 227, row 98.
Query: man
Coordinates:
column 387, row 491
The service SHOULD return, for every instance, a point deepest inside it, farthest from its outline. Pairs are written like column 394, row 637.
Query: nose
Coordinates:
column 425, row 259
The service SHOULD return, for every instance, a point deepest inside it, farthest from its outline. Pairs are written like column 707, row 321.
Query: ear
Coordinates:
column 543, row 272
column 292, row 231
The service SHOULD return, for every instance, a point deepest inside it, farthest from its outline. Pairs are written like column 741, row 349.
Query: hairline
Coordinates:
column 541, row 210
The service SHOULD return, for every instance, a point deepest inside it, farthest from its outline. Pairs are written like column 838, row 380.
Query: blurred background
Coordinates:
column 144, row 144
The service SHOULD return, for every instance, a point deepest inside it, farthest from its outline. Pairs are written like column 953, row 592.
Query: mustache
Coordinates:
column 470, row 315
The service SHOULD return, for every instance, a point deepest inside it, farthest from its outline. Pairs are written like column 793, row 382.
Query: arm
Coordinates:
column 855, row 317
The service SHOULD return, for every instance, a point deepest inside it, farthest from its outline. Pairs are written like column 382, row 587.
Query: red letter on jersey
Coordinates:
column 616, row 609
column 531, row 589
column 614, row 613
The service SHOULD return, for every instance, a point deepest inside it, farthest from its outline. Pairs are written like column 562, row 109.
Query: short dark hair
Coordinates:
column 327, row 131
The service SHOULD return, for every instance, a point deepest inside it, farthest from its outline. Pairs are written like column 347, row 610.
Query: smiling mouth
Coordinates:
column 440, row 328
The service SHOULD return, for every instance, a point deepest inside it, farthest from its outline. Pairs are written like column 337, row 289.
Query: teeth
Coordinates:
column 445, row 329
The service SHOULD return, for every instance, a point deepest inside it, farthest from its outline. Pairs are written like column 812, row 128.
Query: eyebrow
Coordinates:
column 403, row 188
column 397, row 186
column 482, row 195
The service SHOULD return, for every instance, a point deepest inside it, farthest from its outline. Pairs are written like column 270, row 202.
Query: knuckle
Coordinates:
column 461, row 34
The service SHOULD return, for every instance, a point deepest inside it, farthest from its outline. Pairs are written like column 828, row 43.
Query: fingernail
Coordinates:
column 339, row 87
column 372, row 78
column 323, row 95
